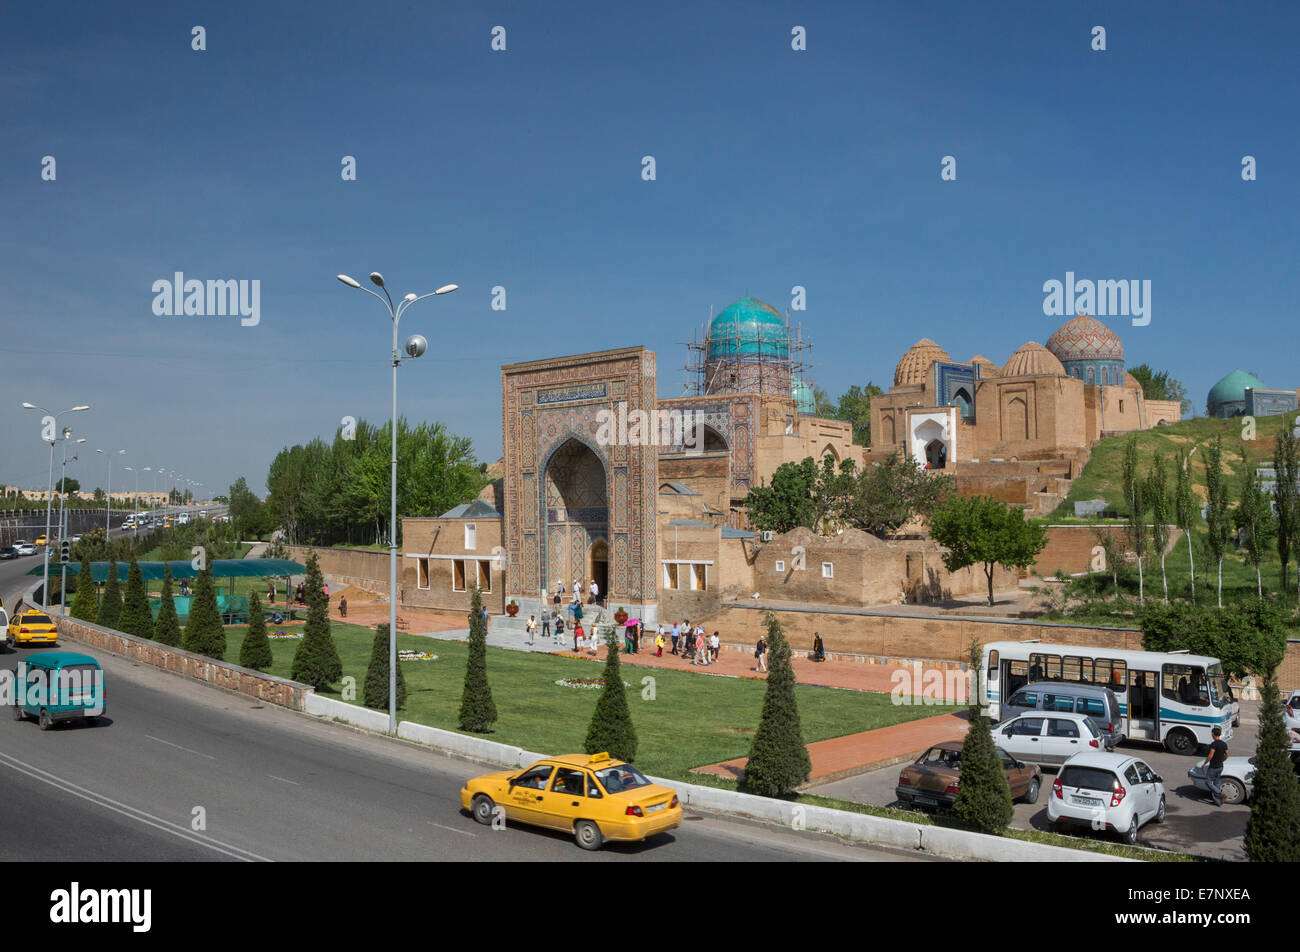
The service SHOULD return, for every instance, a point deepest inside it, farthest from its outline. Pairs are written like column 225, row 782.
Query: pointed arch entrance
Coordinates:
column 575, row 513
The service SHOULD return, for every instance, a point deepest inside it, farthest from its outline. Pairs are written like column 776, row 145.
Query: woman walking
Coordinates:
column 760, row 652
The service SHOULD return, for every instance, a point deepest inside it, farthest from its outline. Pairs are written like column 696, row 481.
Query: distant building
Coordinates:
column 1243, row 394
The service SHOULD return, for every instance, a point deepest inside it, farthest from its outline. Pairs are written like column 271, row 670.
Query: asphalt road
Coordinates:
column 1193, row 825
column 272, row 784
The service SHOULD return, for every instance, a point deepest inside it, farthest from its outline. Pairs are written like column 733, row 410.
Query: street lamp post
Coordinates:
column 415, row 346
column 63, row 524
column 108, row 512
column 135, row 508
column 49, row 492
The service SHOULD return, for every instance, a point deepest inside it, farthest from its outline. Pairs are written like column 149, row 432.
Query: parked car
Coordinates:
column 593, row 797
column 1067, row 697
column 1106, row 791
column 8, row 552
column 1292, row 713
column 25, row 548
column 1238, row 780
column 71, row 688
column 932, row 781
column 1048, row 739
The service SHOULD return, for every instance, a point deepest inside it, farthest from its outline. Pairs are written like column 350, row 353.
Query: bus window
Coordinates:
column 1110, row 673
column 992, row 672
column 1072, row 669
column 1044, row 667
column 1185, row 684
column 1017, row 677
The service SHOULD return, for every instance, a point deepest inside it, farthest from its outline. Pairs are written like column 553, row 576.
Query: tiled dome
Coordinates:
column 987, row 367
column 1085, row 338
column 1032, row 359
column 915, row 365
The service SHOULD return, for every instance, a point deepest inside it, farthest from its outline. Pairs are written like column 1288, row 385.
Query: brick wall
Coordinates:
column 1069, row 548
column 249, row 683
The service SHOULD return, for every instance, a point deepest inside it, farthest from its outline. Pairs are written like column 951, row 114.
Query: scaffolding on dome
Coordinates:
column 743, row 360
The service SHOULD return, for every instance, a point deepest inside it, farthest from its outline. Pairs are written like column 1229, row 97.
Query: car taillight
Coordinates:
column 634, row 811
column 675, row 802
column 904, row 780
column 23, row 631
column 1093, row 743
column 1117, row 797
column 1056, row 789
column 952, row 787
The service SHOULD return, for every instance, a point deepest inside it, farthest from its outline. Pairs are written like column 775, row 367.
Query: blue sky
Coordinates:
column 522, row 169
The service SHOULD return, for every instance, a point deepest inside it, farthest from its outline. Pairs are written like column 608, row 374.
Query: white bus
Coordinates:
column 1173, row 698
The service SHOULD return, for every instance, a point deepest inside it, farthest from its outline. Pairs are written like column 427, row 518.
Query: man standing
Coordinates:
column 1214, row 766
column 546, row 623
column 677, row 633
column 595, row 592
column 532, row 627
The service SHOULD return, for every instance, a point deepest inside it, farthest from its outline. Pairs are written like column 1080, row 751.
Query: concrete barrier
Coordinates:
column 349, row 713
column 221, row 674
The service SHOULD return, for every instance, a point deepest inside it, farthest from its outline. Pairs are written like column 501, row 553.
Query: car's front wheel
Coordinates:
column 1031, row 795
column 587, row 835
column 483, row 808
column 1233, row 791
column 1160, row 811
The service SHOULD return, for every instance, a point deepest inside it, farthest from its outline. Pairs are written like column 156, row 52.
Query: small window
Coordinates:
column 471, row 536
column 1131, row 775
column 1025, row 699
column 1060, row 728
column 670, row 575
column 485, row 575
column 780, row 566
column 536, row 778
column 1029, row 726
column 1090, row 706
column 828, row 570
column 1121, row 406
column 569, row 782
column 457, row 575
column 699, row 576
column 423, row 572
column 993, row 667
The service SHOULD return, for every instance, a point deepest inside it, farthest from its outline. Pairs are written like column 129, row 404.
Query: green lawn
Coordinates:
column 1102, row 478
column 695, row 719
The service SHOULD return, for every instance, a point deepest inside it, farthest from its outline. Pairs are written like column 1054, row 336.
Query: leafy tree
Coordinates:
column 245, row 508
column 477, row 710
column 983, row 800
column 1217, row 520
column 67, row 485
column 1273, row 830
column 611, row 722
column 204, row 633
column 855, row 407
column 1136, row 501
column 375, row 693
column 1286, row 470
column 831, row 491
column 167, row 628
column 1187, row 511
column 255, row 651
column 110, row 605
column 891, row 494
column 316, row 662
column 1162, row 512
column 788, row 502
column 981, row 530
column 1254, row 518
column 136, row 618
column 100, row 496
column 1246, row 638
column 1161, row 386
column 85, row 606
column 778, row 758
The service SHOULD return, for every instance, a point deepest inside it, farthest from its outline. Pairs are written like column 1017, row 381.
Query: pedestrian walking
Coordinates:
column 571, row 607
column 714, row 646
column 578, row 635
column 559, row 630
column 343, row 607
column 677, row 633
column 270, row 590
column 531, row 627
column 659, row 643
column 1214, row 766
column 760, row 652
column 819, row 648
column 546, row 623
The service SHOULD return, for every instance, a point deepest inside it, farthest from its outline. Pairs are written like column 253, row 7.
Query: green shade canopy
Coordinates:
column 154, row 571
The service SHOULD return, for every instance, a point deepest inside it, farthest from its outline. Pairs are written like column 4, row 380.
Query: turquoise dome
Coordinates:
column 748, row 328
column 1232, row 388
column 804, row 400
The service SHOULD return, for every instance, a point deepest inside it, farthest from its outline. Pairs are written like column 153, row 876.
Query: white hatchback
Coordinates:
column 1107, row 792
column 1047, row 738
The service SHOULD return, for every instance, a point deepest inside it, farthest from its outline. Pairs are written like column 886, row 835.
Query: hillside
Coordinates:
column 1102, row 477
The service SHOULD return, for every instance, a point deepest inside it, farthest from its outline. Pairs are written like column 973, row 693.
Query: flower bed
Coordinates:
column 584, row 683
column 283, row 635
column 407, row 654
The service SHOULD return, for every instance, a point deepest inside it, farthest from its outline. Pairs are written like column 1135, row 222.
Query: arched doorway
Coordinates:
column 598, row 566
column 936, row 454
column 576, row 515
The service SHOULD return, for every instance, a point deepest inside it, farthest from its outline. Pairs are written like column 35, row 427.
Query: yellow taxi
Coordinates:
column 40, row 539
column 596, row 798
column 32, row 626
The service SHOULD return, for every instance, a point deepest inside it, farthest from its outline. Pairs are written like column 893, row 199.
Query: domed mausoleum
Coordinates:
column 747, row 350
column 1089, row 350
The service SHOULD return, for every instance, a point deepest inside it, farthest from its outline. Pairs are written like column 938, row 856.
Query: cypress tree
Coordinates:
column 1218, row 520
column 1187, row 510
column 167, row 629
column 611, row 722
column 983, row 795
column 86, row 605
column 1286, row 470
column 1273, row 830
column 316, row 662
column 778, row 758
column 136, row 619
column 110, row 606
column 376, row 688
column 1162, row 513
column 255, row 652
column 477, row 711
column 204, row 633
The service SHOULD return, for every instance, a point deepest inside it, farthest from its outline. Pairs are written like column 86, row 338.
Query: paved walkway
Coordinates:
column 852, row 754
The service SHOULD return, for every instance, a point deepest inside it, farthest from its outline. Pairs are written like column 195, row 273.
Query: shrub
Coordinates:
column 376, row 687
column 255, row 651
column 778, row 759
column 611, row 722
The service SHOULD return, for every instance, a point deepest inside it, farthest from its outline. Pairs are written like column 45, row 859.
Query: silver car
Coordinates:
column 1046, row 738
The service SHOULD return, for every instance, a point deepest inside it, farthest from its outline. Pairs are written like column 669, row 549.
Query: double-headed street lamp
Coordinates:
column 108, row 512
column 63, row 523
column 415, row 346
column 49, row 492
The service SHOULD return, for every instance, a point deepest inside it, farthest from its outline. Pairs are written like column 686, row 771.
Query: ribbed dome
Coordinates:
column 1232, row 388
column 987, row 367
column 1085, row 338
column 915, row 365
column 748, row 328
column 1033, row 359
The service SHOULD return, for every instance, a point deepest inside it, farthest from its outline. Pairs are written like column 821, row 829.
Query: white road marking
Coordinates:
column 452, row 829
column 283, row 780
column 130, row 812
column 179, row 747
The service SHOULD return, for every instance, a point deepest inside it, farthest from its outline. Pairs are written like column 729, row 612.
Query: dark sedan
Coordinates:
column 932, row 781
